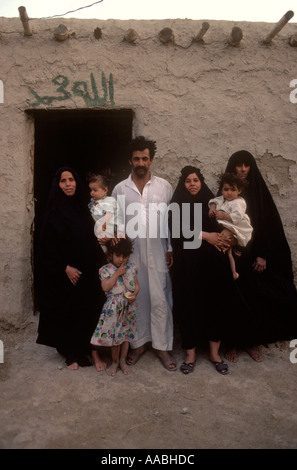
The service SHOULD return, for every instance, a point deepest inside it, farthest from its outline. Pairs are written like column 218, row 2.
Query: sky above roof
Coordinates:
column 270, row 11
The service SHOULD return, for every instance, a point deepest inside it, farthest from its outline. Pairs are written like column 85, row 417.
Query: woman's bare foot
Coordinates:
column 255, row 354
column 98, row 363
column 134, row 355
column 73, row 366
column 71, row 362
column 112, row 369
column 231, row 355
column 124, row 367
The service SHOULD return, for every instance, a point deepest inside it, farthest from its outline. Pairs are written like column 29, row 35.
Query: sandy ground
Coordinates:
column 46, row 406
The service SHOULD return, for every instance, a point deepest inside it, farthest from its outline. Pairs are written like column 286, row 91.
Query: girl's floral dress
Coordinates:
column 117, row 320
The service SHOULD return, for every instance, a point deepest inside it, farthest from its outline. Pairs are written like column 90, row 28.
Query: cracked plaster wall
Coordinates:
column 199, row 101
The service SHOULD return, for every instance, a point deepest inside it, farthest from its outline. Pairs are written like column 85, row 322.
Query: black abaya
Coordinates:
column 270, row 294
column 204, row 295
column 68, row 313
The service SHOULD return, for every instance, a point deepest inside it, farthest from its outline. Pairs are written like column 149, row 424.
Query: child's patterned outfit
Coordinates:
column 117, row 320
column 98, row 210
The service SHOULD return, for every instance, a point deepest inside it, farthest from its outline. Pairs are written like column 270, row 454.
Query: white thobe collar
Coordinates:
column 133, row 186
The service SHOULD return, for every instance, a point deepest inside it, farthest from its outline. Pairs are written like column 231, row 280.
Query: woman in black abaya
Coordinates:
column 204, row 296
column 69, row 256
column 265, row 267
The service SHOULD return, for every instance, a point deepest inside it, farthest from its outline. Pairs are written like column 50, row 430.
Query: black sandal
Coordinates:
column 221, row 367
column 187, row 367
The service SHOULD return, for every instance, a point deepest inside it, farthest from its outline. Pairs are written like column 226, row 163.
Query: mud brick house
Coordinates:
column 76, row 91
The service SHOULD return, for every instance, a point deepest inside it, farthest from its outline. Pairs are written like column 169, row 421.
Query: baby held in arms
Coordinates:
column 103, row 207
column 230, row 211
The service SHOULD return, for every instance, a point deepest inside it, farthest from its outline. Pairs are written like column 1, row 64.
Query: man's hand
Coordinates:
column 103, row 240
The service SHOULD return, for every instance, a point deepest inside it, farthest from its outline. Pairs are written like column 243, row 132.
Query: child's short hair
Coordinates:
column 123, row 247
column 233, row 180
column 103, row 178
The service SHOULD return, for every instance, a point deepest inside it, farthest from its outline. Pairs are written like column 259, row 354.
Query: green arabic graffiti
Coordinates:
column 78, row 89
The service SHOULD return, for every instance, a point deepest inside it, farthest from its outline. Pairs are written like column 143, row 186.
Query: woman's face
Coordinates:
column 242, row 170
column 193, row 184
column 67, row 183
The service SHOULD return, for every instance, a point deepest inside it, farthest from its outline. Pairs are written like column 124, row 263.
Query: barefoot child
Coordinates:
column 230, row 211
column 116, row 327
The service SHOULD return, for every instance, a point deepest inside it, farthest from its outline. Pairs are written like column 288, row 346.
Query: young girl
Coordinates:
column 230, row 211
column 103, row 208
column 116, row 326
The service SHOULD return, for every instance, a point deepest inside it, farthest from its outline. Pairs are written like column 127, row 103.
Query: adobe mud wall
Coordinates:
column 199, row 101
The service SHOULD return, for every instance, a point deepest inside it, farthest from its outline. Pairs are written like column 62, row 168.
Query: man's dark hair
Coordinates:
column 141, row 143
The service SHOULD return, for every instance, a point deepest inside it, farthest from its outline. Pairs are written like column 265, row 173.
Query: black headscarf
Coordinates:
column 68, row 313
column 270, row 294
column 69, row 217
column 269, row 240
column 196, row 271
column 57, row 195
column 181, row 195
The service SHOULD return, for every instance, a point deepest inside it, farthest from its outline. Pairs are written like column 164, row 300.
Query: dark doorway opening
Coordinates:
column 87, row 140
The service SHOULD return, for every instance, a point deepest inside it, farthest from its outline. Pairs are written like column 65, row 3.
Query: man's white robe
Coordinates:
column 147, row 227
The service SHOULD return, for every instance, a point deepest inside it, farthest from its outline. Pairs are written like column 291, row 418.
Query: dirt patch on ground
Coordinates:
column 46, row 406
